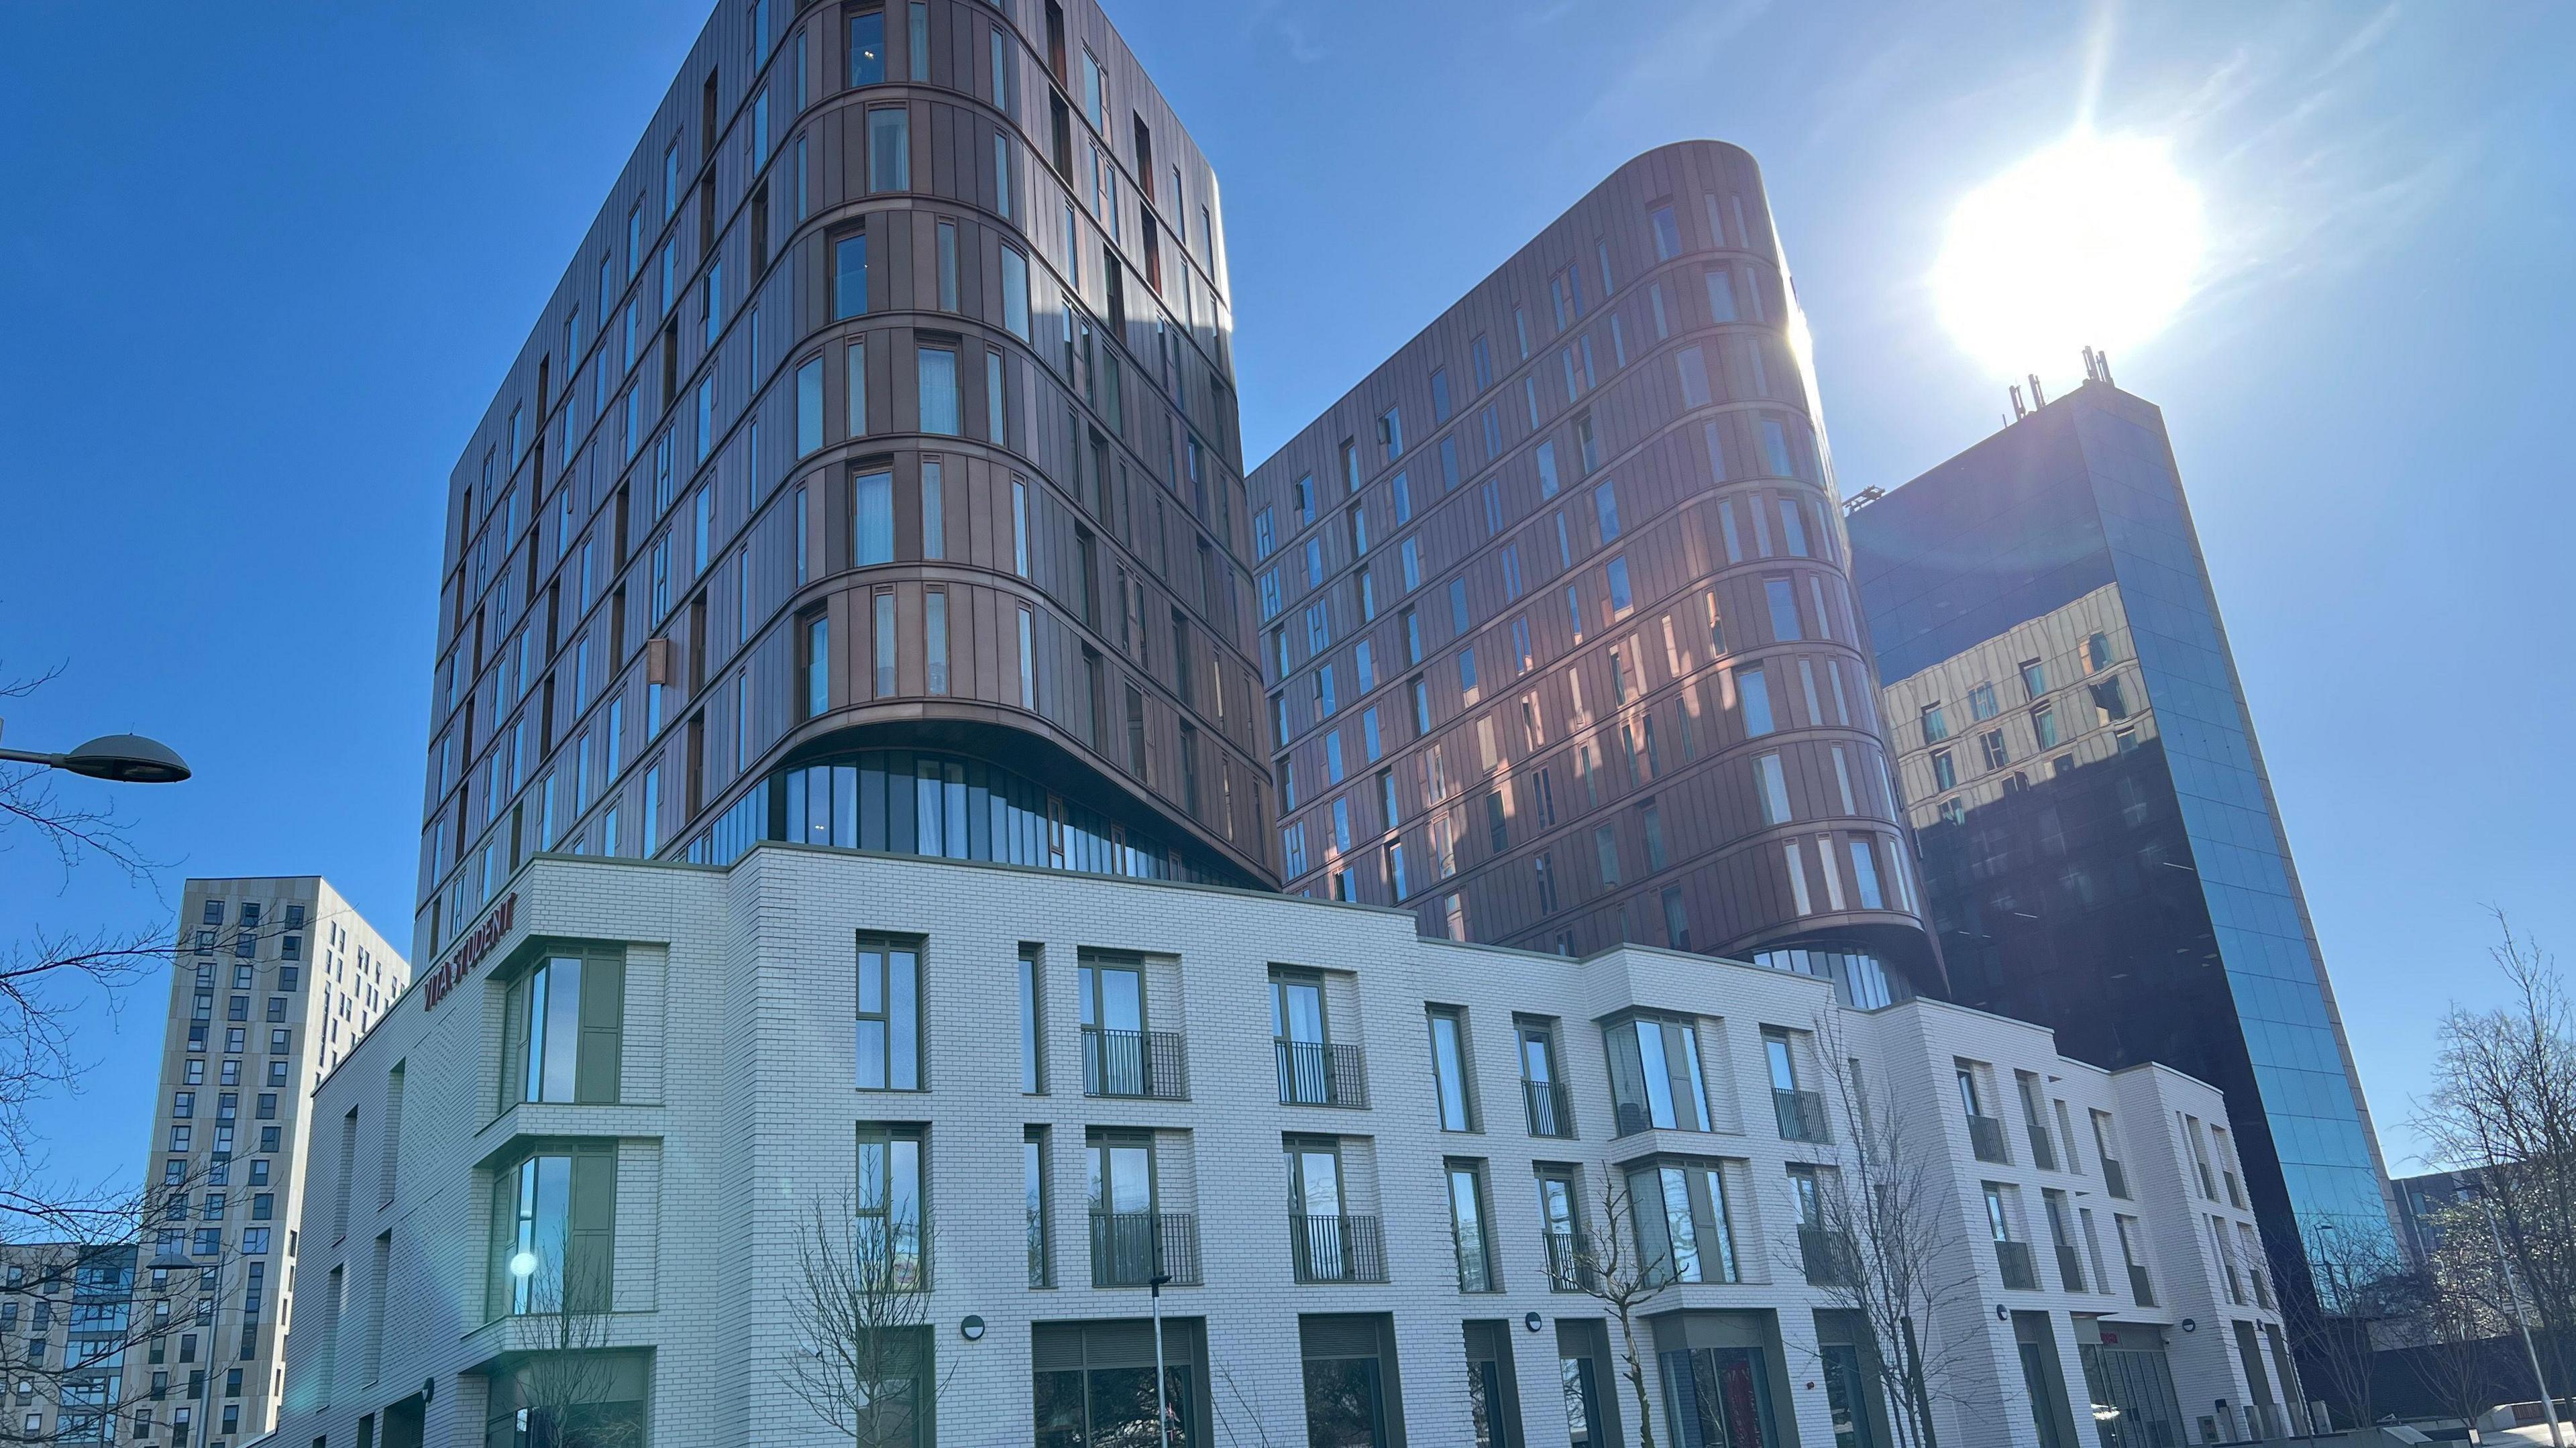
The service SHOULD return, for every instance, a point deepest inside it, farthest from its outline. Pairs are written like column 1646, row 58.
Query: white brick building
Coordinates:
column 724, row 1075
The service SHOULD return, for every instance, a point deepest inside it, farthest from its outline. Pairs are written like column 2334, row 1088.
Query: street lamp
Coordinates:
column 117, row 758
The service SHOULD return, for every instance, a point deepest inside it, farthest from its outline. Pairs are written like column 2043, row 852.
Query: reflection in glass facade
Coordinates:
column 909, row 802
column 2109, row 862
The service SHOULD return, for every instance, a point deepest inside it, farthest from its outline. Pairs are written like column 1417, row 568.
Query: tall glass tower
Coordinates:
column 2101, row 849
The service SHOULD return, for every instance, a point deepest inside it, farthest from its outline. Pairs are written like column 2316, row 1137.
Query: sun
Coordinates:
column 2095, row 241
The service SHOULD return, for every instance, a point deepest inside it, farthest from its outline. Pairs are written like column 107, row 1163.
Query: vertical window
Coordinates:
column 885, row 657
column 935, row 633
column 917, row 59
column 891, row 1230
column 869, row 48
column 1773, row 784
column 872, row 507
column 1028, row 661
column 889, row 149
column 1449, row 1069
column 850, row 276
column 818, row 665
column 1015, row 293
column 1753, row 688
column 1019, row 527
column 939, row 408
column 1693, row 366
column 889, row 1015
column 809, row 407
column 1783, row 600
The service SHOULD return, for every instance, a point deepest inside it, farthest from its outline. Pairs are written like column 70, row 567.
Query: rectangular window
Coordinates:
column 889, row 1014
column 885, row 655
column 1015, row 293
column 1467, row 1227
column 891, row 1233
column 872, row 509
column 563, row 1029
column 1783, row 601
column 1028, row 661
column 818, row 665
column 809, row 407
column 850, row 276
column 1773, row 785
column 1655, row 1076
column 889, row 149
column 934, row 605
column 1451, row 1069
column 553, row 1239
column 939, row 406
column 1752, row 687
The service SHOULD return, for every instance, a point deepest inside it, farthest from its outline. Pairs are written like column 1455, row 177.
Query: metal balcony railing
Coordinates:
column 1986, row 1135
column 2262, row 1287
column 2115, row 1177
column 2021, row 1273
column 2208, row 1185
column 2235, row 1286
column 1551, row 1108
column 1569, row 1261
column 2070, row 1268
column 1801, row 1115
column 1318, row 1073
column 2139, row 1287
column 1153, row 1064
column 2043, row 1148
column 1827, row 1257
column 1336, row 1249
column 2235, row 1190
column 1131, row 1249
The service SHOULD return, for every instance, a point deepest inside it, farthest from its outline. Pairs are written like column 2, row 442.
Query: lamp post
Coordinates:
column 1162, row 1415
column 117, row 758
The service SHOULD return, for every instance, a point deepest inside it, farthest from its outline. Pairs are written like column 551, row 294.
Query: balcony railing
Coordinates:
column 1828, row 1257
column 2208, row 1186
column 1551, row 1108
column 1801, row 1115
column 2070, row 1268
column 2262, row 1287
column 1131, row 1249
column 2021, row 1273
column 1569, row 1261
column 2235, row 1286
column 1986, row 1134
column 2115, row 1177
column 1152, row 1064
column 1318, row 1073
column 1336, row 1249
column 2139, row 1287
column 2043, row 1149
column 2235, row 1191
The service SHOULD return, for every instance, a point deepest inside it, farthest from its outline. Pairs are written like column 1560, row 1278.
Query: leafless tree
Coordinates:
column 1885, row 1247
column 2362, row 1282
column 49, row 972
column 1607, row 1265
column 2452, row 1336
column 2504, row 1106
column 860, row 1305
column 1241, row 1422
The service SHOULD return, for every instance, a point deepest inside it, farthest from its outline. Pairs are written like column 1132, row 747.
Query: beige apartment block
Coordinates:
column 1362, row 1159
column 274, row 980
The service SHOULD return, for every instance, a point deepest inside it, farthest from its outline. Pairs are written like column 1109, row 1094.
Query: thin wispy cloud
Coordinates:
column 1285, row 22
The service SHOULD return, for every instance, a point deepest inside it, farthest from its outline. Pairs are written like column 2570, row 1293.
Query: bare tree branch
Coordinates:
column 860, row 1308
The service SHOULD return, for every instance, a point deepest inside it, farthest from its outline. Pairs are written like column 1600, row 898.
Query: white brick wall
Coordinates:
column 739, row 1115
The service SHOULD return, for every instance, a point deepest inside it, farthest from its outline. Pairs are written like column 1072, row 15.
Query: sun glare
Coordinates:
column 2092, row 242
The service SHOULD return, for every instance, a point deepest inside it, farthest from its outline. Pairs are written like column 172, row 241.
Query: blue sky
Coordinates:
column 261, row 267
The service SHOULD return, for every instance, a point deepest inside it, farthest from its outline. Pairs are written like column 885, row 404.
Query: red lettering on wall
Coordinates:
column 468, row 954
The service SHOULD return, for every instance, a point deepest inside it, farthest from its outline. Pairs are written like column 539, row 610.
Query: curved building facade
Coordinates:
column 881, row 437
column 1557, row 617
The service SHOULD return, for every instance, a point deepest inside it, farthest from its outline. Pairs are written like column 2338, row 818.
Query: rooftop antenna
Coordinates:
column 2019, row 410
column 2037, row 397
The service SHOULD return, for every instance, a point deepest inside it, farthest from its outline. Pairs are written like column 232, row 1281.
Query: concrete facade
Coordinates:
column 274, row 981
column 726, row 1112
column 1557, row 616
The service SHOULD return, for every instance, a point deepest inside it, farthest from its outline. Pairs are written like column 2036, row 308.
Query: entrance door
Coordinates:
column 1718, row 1397
column 1113, row 1029
column 2037, row 1381
column 1315, row 1211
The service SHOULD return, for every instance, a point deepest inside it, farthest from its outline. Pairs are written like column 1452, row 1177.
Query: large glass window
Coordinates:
column 889, row 1024
column 1683, row 1232
column 1655, row 1078
column 867, row 47
column 1093, row 1383
column 563, row 1028
column 1468, row 1228
column 850, row 276
column 554, row 1216
column 889, row 149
